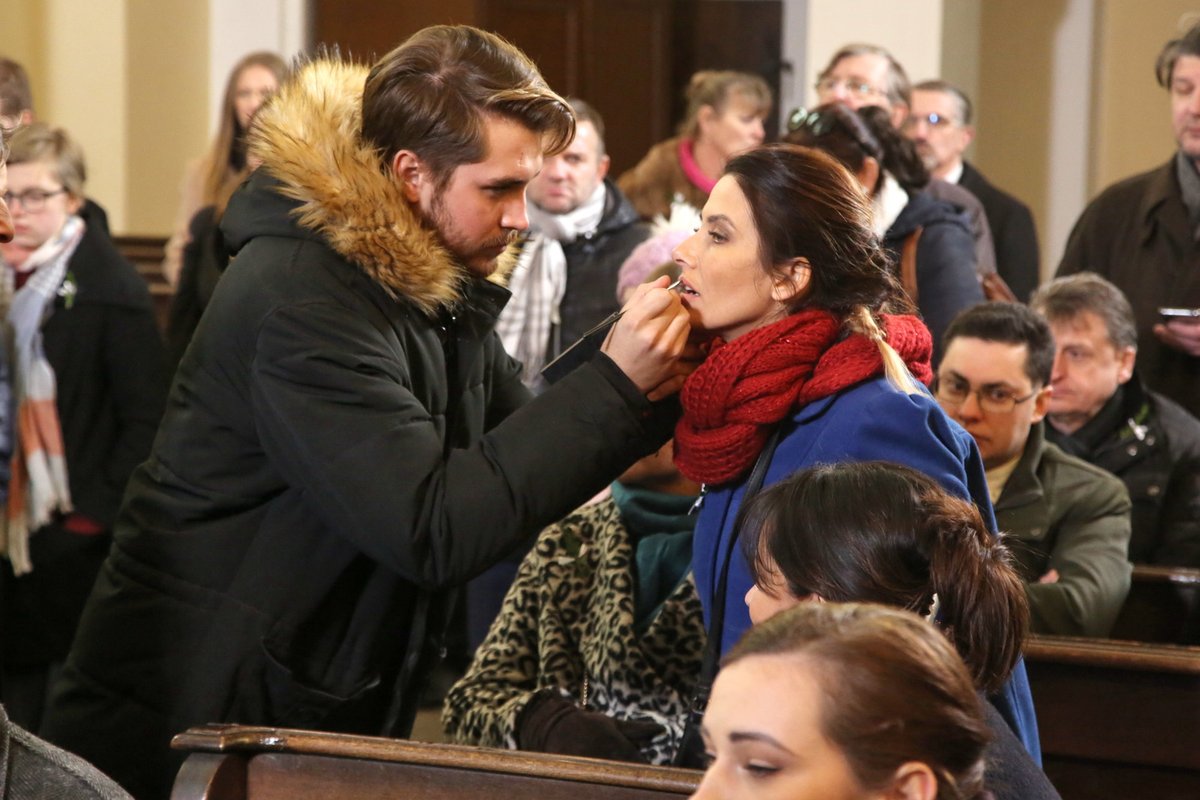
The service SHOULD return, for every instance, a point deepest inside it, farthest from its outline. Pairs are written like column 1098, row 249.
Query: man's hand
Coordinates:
column 647, row 343
column 1051, row 576
column 1181, row 334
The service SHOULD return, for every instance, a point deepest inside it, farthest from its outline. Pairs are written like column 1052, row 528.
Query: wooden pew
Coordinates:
column 232, row 762
column 1117, row 719
column 146, row 253
column 1163, row 606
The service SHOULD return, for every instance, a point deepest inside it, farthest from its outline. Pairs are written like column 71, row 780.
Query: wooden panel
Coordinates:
column 367, row 29
column 146, row 254
column 628, row 75
column 1109, row 712
column 1163, row 606
column 547, row 31
column 745, row 36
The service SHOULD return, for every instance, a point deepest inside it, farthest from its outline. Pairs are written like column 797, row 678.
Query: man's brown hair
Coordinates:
column 432, row 93
column 16, row 95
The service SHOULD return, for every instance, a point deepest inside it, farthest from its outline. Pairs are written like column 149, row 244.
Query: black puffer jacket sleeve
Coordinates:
column 336, row 412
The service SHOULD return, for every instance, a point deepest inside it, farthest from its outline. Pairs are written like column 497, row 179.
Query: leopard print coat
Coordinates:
column 567, row 624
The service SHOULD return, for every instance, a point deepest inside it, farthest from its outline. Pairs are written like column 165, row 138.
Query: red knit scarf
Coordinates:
column 732, row 401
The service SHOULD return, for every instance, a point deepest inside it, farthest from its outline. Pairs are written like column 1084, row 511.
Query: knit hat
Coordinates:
column 646, row 258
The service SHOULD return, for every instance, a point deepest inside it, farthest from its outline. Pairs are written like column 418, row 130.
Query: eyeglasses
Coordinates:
column 932, row 119
column 853, row 86
column 991, row 399
column 32, row 200
column 834, row 116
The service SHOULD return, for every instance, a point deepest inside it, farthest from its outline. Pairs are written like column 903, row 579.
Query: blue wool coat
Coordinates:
column 871, row 421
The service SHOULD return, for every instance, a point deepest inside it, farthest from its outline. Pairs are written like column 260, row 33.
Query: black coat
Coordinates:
column 1013, row 233
column 1136, row 233
column 110, row 371
column 592, row 266
column 1153, row 445
column 345, row 439
column 946, row 279
column 204, row 259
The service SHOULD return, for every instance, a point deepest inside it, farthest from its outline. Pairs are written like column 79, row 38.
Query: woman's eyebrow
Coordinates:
column 756, row 736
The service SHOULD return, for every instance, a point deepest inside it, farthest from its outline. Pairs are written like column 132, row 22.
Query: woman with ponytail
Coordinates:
column 810, row 360
column 914, row 546
column 930, row 239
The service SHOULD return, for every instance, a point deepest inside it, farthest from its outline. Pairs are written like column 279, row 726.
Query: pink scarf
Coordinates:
column 691, row 170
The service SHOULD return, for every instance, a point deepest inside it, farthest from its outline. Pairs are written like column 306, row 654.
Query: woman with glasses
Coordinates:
column 810, row 538
column 725, row 113
column 930, row 240
column 80, row 398
column 810, row 359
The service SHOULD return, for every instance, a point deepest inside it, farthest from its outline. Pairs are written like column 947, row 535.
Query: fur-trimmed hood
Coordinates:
column 307, row 138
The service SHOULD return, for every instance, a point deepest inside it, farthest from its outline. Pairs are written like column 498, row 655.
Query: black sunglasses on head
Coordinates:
column 819, row 123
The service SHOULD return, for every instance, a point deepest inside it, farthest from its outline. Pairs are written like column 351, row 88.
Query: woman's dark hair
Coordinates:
column 911, row 540
column 807, row 205
column 893, row 692
column 850, row 136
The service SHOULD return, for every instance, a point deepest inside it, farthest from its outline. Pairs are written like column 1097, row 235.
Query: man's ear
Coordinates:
column 1041, row 402
column 968, row 134
column 410, row 173
column 899, row 113
column 913, row 781
column 1125, row 358
column 792, row 280
column 602, row 166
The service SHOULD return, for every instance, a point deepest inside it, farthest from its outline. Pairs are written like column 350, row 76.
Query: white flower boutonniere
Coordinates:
column 67, row 290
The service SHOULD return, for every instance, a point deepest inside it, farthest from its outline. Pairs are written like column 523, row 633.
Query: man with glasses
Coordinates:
column 1067, row 521
column 940, row 127
column 1102, row 412
column 862, row 75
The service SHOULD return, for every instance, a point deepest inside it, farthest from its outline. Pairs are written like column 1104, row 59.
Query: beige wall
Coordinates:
column 167, row 113
column 910, row 30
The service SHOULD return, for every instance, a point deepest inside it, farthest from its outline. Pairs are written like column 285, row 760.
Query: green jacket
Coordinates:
column 1064, row 514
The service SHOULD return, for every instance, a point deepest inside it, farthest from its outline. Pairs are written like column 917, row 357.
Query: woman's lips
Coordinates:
column 686, row 290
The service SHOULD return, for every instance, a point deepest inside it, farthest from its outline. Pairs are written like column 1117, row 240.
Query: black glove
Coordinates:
column 551, row 724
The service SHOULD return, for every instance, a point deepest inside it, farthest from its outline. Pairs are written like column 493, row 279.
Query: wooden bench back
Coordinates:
column 233, row 762
column 1117, row 719
column 146, row 254
column 1163, row 606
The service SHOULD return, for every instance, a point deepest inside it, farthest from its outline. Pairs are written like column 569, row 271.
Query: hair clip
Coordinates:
column 934, row 607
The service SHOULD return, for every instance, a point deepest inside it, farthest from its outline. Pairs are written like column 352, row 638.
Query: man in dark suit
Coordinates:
column 940, row 127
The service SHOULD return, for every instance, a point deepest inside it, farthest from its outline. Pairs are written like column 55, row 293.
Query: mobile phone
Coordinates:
column 1180, row 313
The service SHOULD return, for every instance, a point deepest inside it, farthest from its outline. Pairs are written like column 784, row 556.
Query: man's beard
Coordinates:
column 447, row 231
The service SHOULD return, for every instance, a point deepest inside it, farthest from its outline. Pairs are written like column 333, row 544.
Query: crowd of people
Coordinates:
column 831, row 454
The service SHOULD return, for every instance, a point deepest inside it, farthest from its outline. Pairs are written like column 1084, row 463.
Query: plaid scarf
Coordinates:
column 539, row 281
column 37, row 486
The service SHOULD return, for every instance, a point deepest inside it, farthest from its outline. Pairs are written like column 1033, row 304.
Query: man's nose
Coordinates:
column 969, row 407
column 1059, row 368
column 514, row 216
column 554, row 168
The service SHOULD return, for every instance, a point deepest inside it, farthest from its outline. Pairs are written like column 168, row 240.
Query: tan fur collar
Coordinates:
column 307, row 138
